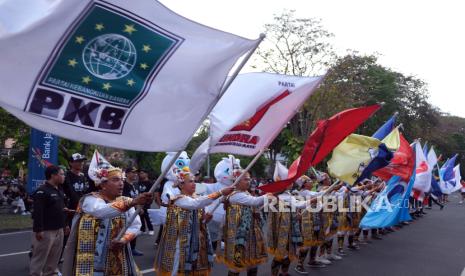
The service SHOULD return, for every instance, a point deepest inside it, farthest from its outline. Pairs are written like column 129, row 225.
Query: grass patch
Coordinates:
column 10, row 222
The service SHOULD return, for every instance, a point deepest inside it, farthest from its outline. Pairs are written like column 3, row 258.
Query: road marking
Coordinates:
column 147, row 271
column 14, row 233
column 463, row 272
column 12, row 254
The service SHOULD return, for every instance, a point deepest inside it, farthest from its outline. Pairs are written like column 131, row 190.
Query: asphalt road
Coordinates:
column 432, row 245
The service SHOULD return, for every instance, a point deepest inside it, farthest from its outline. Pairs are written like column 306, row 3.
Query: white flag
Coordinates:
column 422, row 172
column 252, row 113
column 125, row 74
column 432, row 158
column 458, row 178
column 280, row 172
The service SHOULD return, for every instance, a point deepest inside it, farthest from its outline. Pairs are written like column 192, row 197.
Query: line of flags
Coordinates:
column 145, row 79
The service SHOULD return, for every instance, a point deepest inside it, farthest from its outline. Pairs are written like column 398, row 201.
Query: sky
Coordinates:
column 420, row 38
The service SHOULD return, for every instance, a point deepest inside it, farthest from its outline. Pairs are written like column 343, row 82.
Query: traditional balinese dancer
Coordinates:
column 244, row 244
column 92, row 248
column 310, row 225
column 185, row 247
column 225, row 172
column 284, row 232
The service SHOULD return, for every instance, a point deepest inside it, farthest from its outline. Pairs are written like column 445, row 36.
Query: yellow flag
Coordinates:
column 351, row 156
column 392, row 141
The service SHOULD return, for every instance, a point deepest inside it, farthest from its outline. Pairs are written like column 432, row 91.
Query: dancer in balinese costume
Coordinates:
column 225, row 173
column 284, row 233
column 329, row 225
column 310, row 226
column 92, row 248
column 185, row 247
column 343, row 219
column 244, row 244
column 359, row 192
column 168, row 190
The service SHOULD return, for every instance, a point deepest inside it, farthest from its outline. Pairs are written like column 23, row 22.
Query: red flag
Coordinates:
column 327, row 135
column 401, row 164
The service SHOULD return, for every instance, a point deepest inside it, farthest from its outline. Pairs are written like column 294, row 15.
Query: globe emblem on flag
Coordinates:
column 109, row 56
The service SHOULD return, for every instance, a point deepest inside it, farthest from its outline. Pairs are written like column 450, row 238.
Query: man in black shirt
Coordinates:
column 143, row 186
column 130, row 190
column 49, row 224
column 76, row 184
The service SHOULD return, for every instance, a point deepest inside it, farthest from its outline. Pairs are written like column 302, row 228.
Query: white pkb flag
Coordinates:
column 125, row 74
column 252, row 113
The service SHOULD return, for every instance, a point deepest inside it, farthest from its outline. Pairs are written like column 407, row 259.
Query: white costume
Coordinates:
column 224, row 174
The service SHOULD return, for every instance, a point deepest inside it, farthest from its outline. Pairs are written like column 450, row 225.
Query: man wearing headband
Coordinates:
column 185, row 247
column 284, row 232
column 310, row 226
column 244, row 244
column 92, row 248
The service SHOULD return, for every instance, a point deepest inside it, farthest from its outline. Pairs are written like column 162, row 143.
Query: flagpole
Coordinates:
column 152, row 190
column 236, row 181
column 223, row 90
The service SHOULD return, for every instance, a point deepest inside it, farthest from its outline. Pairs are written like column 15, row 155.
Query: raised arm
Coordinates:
column 246, row 199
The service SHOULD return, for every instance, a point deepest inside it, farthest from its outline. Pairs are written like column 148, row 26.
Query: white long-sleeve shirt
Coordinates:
column 98, row 208
column 244, row 198
column 193, row 203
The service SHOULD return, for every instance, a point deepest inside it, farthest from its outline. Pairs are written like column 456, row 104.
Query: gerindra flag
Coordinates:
column 327, row 135
column 253, row 111
column 126, row 74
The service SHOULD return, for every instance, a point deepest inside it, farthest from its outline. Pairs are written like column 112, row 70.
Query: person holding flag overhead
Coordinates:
column 185, row 247
column 284, row 231
column 310, row 226
column 244, row 243
column 91, row 247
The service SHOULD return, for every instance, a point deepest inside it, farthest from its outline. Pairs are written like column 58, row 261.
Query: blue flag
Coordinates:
column 381, row 160
column 435, row 189
column 386, row 128
column 447, row 176
column 43, row 152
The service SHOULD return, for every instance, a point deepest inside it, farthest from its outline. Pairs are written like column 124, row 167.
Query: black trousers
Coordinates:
column 145, row 220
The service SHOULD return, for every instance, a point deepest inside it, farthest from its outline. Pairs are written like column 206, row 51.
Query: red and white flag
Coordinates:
column 423, row 174
column 252, row 113
column 401, row 164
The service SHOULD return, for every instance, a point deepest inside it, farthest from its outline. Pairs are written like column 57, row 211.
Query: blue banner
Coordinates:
column 43, row 151
column 386, row 128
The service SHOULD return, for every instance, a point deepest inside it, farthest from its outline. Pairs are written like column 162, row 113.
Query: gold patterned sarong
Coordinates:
column 241, row 253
